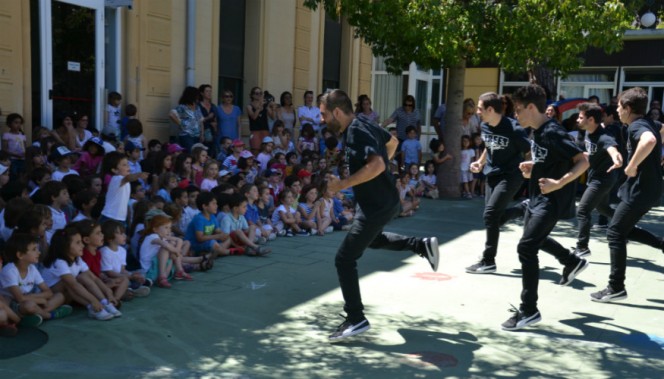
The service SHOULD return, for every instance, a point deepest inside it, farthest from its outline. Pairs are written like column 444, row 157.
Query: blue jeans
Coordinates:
column 187, row 141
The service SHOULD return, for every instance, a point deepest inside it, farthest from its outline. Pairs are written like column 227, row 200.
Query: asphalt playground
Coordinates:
column 269, row 317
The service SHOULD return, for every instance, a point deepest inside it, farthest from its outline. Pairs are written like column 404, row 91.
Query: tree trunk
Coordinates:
column 447, row 174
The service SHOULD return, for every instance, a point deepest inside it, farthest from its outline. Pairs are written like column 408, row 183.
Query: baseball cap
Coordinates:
column 196, row 145
column 59, row 152
column 272, row 172
column 246, row 154
column 268, row 139
column 303, row 173
column 237, row 142
column 223, row 173
column 174, row 148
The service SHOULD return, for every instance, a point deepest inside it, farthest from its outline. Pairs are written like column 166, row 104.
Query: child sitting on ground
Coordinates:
column 114, row 259
column 204, row 232
column 285, row 219
column 235, row 225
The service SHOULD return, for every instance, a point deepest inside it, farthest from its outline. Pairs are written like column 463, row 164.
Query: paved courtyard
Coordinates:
column 269, row 317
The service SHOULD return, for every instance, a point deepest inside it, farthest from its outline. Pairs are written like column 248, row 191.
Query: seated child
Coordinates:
column 286, row 220
column 204, row 232
column 65, row 272
column 235, row 225
column 30, row 297
column 114, row 259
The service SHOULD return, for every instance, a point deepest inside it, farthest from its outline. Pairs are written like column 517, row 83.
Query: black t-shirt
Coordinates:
column 552, row 150
column 362, row 140
column 506, row 143
column 645, row 189
column 597, row 145
column 260, row 123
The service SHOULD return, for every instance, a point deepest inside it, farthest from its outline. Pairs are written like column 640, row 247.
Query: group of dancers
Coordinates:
column 550, row 159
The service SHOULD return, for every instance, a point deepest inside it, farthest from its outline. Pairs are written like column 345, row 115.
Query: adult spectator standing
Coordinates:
column 506, row 144
column 286, row 112
column 368, row 150
column 188, row 117
column 209, row 112
column 258, row 111
column 405, row 116
column 228, row 115
column 308, row 113
column 364, row 112
column 641, row 191
column 556, row 163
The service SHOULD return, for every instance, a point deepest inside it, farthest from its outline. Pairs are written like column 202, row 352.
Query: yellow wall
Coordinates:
column 15, row 68
column 479, row 81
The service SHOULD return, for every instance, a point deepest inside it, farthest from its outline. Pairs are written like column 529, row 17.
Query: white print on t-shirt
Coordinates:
column 591, row 148
column 538, row 153
column 495, row 142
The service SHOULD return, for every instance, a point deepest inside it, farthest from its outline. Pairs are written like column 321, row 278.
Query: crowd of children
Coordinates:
column 100, row 222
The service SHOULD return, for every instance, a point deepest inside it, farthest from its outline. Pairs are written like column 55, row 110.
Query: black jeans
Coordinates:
column 621, row 228
column 538, row 224
column 500, row 190
column 596, row 196
column 366, row 232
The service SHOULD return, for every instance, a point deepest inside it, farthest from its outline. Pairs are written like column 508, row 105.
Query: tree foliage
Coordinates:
column 517, row 35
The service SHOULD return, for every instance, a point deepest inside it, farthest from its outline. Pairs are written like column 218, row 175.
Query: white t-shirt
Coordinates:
column 113, row 260
column 57, row 175
column 149, row 250
column 80, row 217
column 429, row 179
column 276, row 216
column 313, row 112
column 59, row 222
column 113, row 126
column 466, row 157
column 10, row 277
column 86, row 136
column 52, row 275
column 263, row 159
column 117, row 199
column 208, row 184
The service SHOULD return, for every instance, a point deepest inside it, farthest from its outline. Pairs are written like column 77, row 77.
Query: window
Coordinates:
column 589, row 82
column 231, row 48
column 332, row 58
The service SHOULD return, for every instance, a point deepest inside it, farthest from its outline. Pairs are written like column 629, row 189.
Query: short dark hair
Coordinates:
column 85, row 227
column 491, row 99
column 83, row 197
column 15, row 208
column 153, row 142
column 245, row 189
column 290, row 179
column 19, row 243
column 131, row 110
column 531, row 94
column 204, row 198
column 134, row 127
column 110, row 227
column 50, row 190
column 111, row 161
column 410, row 128
column 337, row 99
column 636, row 99
column 612, row 110
column 39, row 173
column 190, row 95
column 13, row 116
column 236, row 200
column 591, row 110
column 112, row 96
column 177, row 192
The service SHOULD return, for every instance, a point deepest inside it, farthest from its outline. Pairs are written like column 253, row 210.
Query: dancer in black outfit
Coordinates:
column 368, row 150
column 641, row 191
column 556, row 163
column 506, row 144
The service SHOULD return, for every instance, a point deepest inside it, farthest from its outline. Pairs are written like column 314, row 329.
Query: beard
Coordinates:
column 334, row 126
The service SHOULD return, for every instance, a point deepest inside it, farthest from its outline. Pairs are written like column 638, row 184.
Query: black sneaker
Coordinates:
column 431, row 252
column 348, row 329
column 607, row 295
column 520, row 320
column 571, row 271
column 482, row 267
column 581, row 252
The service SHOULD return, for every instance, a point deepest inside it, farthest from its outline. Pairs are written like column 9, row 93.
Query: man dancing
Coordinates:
column 368, row 149
column 506, row 143
column 641, row 191
column 556, row 162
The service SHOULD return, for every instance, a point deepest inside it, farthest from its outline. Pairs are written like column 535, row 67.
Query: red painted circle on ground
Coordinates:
column 433, row 276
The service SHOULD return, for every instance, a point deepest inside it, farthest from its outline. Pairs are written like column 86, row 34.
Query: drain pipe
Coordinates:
column 191, row 40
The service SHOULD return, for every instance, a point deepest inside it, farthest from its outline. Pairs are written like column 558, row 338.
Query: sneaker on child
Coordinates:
column 110, row 308
column 31, row 321
column 102, row 315
column 62, row 311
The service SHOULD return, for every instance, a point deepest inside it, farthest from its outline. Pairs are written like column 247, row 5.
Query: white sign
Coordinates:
column 118, row 3
column 74, row 66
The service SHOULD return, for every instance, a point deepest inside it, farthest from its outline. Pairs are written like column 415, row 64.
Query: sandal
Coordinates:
column 163, row 282
column 206, row 264
column 181, row 275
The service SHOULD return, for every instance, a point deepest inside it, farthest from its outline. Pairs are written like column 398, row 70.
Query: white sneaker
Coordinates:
column 102, row 315
column 110, row 308
column 282, row 233
column 329, row 229
column 314, row 232
column 272, row 237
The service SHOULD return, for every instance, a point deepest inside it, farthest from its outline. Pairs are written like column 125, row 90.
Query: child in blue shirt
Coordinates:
column 204, row 231
column 411, row 148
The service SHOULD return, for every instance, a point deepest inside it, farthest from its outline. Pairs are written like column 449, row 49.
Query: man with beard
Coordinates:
column 367, row 150
column 506, row 143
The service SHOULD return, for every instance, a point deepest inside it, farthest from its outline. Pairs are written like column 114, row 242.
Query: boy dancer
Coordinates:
column 641, row 191
column 368, row 150
column 506, row 143
column 556, row 162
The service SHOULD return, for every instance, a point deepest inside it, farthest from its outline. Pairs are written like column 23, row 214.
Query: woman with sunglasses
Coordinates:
column 258, row 111
column 228, row 118
column 404, row 117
